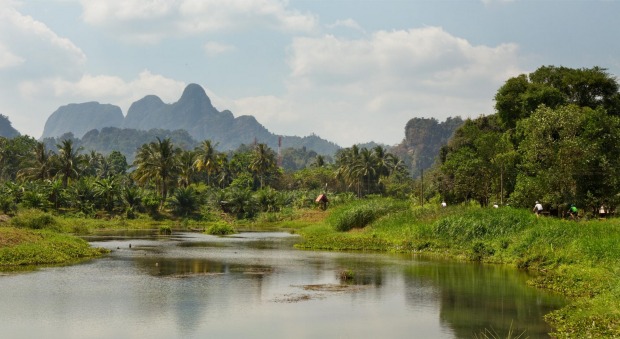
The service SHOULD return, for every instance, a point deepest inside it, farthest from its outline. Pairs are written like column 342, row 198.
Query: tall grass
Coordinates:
column 361, row 213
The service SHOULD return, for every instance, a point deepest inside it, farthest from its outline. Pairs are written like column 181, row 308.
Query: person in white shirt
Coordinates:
column 537, row 209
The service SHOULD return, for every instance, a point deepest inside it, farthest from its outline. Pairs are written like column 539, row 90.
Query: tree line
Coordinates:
column 165, row 178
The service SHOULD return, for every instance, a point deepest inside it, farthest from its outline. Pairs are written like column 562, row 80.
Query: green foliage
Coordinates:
column 361, row 213
column 482, row 223
column 165, row 230
column 7, row 205
column 184, row 202
column 43, row 247
column 36, row 220
column 220, row 228
column 555, row 139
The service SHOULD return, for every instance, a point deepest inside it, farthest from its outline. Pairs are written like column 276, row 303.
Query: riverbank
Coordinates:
column 21, row 248
column 578, row 259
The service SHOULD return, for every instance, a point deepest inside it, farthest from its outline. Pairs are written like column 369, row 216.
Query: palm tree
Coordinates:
column 69, row 161
column 158, row 161
column 186, row 168
column 107, row 190
column 346, row 161
column 206, row 159
column 263, row 160
column 224, row 173
column 365, row 167
column 39, row 166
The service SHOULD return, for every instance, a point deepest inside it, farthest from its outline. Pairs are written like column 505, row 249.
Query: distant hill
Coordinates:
column 423, row 139
column 6, row 129
column 81, row 118
column 193, row 113
column 124, row 140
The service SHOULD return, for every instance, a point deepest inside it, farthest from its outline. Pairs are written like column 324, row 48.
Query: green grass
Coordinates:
column 20, row 247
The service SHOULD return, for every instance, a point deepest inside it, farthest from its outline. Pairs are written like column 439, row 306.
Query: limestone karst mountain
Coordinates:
column 6, row 129
column 81, row 118
column 193, row 112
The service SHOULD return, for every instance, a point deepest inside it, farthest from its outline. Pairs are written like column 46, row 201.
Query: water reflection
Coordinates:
column 476, row 297
column 256, row 285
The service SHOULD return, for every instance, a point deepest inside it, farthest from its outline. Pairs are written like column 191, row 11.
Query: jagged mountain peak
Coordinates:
column 196, row 96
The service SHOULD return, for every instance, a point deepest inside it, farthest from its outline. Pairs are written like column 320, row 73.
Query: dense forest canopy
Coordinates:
column 555, row 138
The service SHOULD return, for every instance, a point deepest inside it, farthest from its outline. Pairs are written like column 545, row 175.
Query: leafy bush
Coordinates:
column 220, row 228
column 165, row 230
column 184, row 202
column 36, row 220
column 7, row 205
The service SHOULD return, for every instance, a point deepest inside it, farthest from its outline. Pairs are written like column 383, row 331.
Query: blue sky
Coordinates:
column 348, row 71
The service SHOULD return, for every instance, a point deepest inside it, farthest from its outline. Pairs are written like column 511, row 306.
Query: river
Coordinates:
column 256, row 285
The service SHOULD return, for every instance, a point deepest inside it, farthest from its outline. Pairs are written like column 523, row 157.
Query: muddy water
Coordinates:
column 256, row 285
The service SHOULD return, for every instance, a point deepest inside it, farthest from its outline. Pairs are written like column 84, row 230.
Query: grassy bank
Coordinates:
column 23, row 247
column 577, row 259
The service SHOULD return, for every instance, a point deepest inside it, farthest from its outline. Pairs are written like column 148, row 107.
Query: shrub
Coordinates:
column 184, row 202
column 220, row 228
column 36, row 220
column 165, row 230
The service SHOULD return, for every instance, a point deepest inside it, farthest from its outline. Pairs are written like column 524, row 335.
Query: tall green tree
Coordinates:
column 206, row 159
column 158, row 162
column 39, row 165
column 263, row 162
column 569, row 155
column 69, row 161
column 554, row 86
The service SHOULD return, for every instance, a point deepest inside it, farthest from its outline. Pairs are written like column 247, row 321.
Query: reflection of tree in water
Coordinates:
column 475, row 298
column 193, row 288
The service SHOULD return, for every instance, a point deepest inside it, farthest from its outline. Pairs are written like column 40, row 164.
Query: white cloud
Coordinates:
column 347, row 23
column 367, row 89
column 213, row 48
column 153, row 20
column 30, row 45
column 8, row 59
column 111, row 89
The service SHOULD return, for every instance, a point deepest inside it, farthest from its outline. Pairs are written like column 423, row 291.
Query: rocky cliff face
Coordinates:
column 6, row 129
column 81, row 118
column 193, row 113
column 423, row 139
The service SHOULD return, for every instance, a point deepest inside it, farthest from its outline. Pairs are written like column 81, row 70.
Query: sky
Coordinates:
column 347, row 71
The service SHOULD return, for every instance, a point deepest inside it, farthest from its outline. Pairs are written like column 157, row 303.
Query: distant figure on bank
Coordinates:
column 443, row 204
column 322, row 201
column 573, row 212
column 537, row 209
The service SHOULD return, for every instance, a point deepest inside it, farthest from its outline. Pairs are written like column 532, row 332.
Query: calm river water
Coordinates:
column 256, row 285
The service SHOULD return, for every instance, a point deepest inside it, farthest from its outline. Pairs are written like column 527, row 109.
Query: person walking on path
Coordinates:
column 537, row 209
